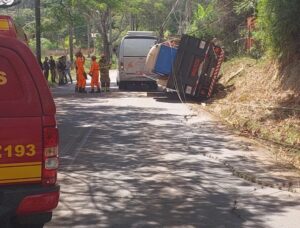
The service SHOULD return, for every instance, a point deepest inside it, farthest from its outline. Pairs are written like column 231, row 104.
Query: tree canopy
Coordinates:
column 72, row 22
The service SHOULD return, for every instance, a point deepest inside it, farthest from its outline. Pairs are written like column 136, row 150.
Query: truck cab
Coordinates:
column 28, row 135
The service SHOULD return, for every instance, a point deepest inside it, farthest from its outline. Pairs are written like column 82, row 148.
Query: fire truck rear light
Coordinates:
column 51, row 151
column 122, row 65
column 51, row 163
column 4, row 25
column 50, row 166
column 38, row 203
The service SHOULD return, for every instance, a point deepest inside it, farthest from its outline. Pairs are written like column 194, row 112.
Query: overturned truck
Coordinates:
column 191, row 69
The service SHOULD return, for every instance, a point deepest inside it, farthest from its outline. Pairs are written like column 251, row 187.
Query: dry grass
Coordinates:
column 260, row 101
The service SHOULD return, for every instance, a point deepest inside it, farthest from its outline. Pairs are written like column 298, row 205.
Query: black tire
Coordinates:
column 152, row 86
column 31, row 221
column 122, row 85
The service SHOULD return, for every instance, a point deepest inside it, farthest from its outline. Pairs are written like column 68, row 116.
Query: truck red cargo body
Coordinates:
column 28, row 134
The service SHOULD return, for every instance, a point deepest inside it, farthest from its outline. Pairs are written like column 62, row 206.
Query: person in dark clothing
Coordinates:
column 61, row 67
column 104, row 73
column 46, row 68
column 52, row 65
column 68, row 69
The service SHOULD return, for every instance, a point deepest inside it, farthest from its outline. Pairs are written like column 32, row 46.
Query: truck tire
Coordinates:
column 122, row 85
column 154, row 86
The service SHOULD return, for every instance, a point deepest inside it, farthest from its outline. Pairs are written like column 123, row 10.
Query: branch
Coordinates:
column 120, row 30
column 68, row 11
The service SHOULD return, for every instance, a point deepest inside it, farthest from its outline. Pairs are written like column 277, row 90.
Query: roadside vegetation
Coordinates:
column 255, row 98
column 259, row 88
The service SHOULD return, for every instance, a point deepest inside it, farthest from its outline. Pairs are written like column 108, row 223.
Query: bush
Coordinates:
column 279, row 27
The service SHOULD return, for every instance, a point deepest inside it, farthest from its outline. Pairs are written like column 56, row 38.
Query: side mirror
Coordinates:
column 9, row 3
column 116, row 50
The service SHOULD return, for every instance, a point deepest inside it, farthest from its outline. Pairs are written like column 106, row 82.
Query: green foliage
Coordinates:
column 46, row 44
column 204, row 13
column 279, row 27
column 217, row 19
column 245, row 6
column 278, row 22
column 149, row 14
column 203, row 20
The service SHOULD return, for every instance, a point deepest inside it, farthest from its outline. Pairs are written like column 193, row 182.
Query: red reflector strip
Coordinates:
column 38, row 203
column 49, row 177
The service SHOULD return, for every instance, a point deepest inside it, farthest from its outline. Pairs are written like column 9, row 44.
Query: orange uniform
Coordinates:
column 80, row 73
column 94, row 72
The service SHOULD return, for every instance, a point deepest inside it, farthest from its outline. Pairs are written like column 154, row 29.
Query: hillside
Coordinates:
column 262, row 102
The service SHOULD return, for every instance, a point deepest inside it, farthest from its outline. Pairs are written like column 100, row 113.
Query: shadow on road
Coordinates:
column 128, row 166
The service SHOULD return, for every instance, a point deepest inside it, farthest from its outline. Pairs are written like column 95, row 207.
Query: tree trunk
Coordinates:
column 89, row 38
column 110, row 35
column 71, row 39
column 133, row 22
column 104, row 34
column 106, row 46
column 38, row 29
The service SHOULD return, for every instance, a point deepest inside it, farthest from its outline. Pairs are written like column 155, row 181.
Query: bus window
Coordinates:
column 138, row 47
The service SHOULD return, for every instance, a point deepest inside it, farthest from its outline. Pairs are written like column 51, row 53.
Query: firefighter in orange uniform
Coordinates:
column 81, row 76
column 94, row 72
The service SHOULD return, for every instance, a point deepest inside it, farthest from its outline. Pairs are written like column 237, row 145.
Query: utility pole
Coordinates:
column 38, row 29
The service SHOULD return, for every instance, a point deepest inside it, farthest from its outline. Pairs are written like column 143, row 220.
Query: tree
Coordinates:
column 38, row 29
column 248, row 7
column 151, row 15
column 218, row 19
column 65, row 13
column 279, row 28
column 101, row 13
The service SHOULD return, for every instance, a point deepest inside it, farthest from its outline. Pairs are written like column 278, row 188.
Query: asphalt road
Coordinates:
column 129, row 160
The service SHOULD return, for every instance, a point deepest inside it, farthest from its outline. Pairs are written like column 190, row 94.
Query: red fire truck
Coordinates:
column 28, row 135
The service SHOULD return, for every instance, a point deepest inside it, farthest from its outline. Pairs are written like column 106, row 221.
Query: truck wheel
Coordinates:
column 122, row 85
column 153, row 86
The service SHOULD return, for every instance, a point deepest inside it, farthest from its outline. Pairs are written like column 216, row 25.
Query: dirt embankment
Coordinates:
column 262, row 102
